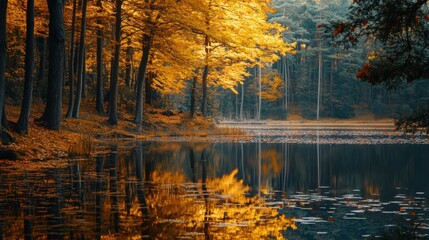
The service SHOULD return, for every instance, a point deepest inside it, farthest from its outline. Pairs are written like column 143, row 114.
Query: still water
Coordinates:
column 218, row 191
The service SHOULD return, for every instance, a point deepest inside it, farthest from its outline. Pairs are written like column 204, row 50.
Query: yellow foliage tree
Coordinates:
column 272, row 87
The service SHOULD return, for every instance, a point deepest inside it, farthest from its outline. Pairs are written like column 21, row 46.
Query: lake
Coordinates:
column 207, row 190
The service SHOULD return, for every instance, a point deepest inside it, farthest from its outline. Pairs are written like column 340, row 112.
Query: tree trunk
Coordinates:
column 3, row 11
column 128, row 59
column 193, row 92
column 84, row 74
column 99, row 99
column 148, row 89
column 260, row 93
column 80, row 67
column 319, row 82
column 52, row 114
column 204, row 79
column 147, row 40
column 285, row 73
column 4, row 121
column 22, row 125
column 242, row 102
column 71, row 63
column 113, row 101
column 42, row 66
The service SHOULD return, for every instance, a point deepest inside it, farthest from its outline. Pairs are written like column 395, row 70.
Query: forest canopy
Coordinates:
column 133, row 50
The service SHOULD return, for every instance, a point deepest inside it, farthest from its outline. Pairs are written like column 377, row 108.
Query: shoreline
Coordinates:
column 90, row 134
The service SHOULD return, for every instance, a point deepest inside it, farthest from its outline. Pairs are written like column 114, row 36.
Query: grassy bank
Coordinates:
column 81, row 136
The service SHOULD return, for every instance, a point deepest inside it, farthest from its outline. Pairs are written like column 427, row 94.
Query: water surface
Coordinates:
column 218, row 191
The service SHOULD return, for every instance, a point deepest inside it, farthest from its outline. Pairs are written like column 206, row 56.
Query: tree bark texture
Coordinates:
column 80, row 67
column 113, row 101
column 24, row 117
column 141, row 77
column 52, row 114
column 99, row 98
column 193, row 92
column 71, row 63
column 3, row 12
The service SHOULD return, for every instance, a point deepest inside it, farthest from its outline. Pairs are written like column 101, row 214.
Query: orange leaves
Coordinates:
column 319, row 25
column 363, row 72
column 426, row 17
column 364, row 23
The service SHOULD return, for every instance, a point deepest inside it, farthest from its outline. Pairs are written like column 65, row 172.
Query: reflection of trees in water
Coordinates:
column 218, row 210
column 133, row 195
column 164, row 190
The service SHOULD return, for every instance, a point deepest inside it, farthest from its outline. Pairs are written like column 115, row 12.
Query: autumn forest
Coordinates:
column 227, row 59
column 214, row 119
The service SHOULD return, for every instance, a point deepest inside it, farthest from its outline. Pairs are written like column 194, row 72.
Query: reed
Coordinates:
column 83, row 147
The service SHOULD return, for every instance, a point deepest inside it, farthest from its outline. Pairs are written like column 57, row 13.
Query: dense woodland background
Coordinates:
column 227, row 59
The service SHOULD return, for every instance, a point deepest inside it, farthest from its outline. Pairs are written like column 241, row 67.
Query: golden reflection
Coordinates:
column 217, row 209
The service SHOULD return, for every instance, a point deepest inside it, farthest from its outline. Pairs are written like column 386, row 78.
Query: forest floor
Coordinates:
column 82, row 136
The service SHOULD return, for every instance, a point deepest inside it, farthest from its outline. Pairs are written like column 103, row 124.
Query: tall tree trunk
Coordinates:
column 4, row 121
column 128, row 59
column 205, row 76
column 147, row 40
column 148, row 89
column 42, row 66
column 52, row 114
column 3, row 11
column 99, row 99
column 84, row 74
column 193, row 92
column 260, row 92
column 22, row 126
column 80, row 67
column 319, row 82
column 242, row 102
column 285, row 73
column 71, row 63
column 113, row 101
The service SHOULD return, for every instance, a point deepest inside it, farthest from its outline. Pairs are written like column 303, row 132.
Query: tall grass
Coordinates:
column 82, row 148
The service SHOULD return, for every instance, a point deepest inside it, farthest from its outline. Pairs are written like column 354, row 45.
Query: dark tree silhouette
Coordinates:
column 3, row 12
column 52, row 114
column 81, row 62
column 71, row 62
column 141, row 75
column 99, row 98
column 22, row 126
column 113, row 101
